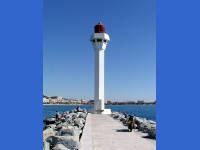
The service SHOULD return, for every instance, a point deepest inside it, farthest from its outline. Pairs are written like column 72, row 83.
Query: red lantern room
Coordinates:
column 99, row 28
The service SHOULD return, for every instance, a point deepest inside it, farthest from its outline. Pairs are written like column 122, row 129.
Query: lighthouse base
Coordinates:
column 105, row 111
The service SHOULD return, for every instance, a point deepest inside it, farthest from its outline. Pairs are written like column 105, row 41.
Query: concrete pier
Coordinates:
column 102, row 132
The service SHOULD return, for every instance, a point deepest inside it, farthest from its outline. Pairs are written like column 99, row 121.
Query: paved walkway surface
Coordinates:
column 102, row 132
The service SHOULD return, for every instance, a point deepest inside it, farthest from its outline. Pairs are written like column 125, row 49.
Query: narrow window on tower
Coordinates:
column 93, row 41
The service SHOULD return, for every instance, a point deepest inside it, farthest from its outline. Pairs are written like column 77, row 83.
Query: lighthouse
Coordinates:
column 99, row 40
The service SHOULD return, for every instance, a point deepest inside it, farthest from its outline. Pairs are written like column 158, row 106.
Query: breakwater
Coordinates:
column 64, row 132
column 142, row 124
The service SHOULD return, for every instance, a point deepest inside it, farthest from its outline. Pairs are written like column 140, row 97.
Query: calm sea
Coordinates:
column 144, row 111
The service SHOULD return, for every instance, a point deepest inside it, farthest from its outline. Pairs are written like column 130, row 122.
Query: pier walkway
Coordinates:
column 102, row 132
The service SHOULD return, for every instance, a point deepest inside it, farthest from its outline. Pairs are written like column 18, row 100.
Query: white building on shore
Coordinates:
column 45, row 100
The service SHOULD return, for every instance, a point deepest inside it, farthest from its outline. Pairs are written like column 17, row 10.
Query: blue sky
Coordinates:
column 130, row 57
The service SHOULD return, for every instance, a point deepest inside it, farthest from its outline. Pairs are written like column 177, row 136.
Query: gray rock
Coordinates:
column 116, row 115
column 70, row 142
column 58, row 122
column 49, row 121
column 79, row 122
column 73, row 115
column 66, row 132
column 123, row 119
column 152, row 122
column 144, row 127
column 53, row 126
column 68, row 116
column 66, row 112
column 70, row 122
column 53, row 140
column 84, row 110
column 47, row 133
column 60, row 147
column 62, row 119
column 152, row 133
column 59, row 126
column 82, row 115
column 79, row 109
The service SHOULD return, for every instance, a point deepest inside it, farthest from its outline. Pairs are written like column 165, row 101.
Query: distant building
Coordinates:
column 91, row 102
column 45, row 100
column 53, row 101
column 109, row 102
column 83, row 101
column 56, row 97
column 140, row 102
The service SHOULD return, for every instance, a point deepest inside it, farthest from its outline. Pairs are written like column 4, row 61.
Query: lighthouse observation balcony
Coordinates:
column 100, row 37
column 100, row 41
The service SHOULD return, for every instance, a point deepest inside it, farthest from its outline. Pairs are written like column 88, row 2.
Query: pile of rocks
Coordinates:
column 64, row 133
column 142, row 124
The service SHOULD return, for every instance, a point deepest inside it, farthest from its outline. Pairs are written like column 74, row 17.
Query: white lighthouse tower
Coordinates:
column 99, row 41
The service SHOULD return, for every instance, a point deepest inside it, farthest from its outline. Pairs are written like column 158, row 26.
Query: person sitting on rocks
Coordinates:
column 57, row 115
column 78, row 109
column 131, row 123
column 125, row 115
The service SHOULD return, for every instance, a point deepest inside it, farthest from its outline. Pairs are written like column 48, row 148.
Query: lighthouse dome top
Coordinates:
column 99, row 28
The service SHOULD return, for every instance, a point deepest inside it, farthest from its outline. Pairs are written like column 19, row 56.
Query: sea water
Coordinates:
column 144, row 111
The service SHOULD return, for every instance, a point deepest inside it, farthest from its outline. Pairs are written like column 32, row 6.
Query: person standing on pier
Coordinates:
column 131, row 123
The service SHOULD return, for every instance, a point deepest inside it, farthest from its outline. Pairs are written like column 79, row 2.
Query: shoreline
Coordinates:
column 63, row 104
column 93, row 104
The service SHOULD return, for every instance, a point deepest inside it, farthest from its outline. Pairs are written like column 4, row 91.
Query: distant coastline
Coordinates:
column 92, row 104
column 57, row 100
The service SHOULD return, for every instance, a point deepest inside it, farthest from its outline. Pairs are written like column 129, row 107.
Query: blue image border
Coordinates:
column 178, row 73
